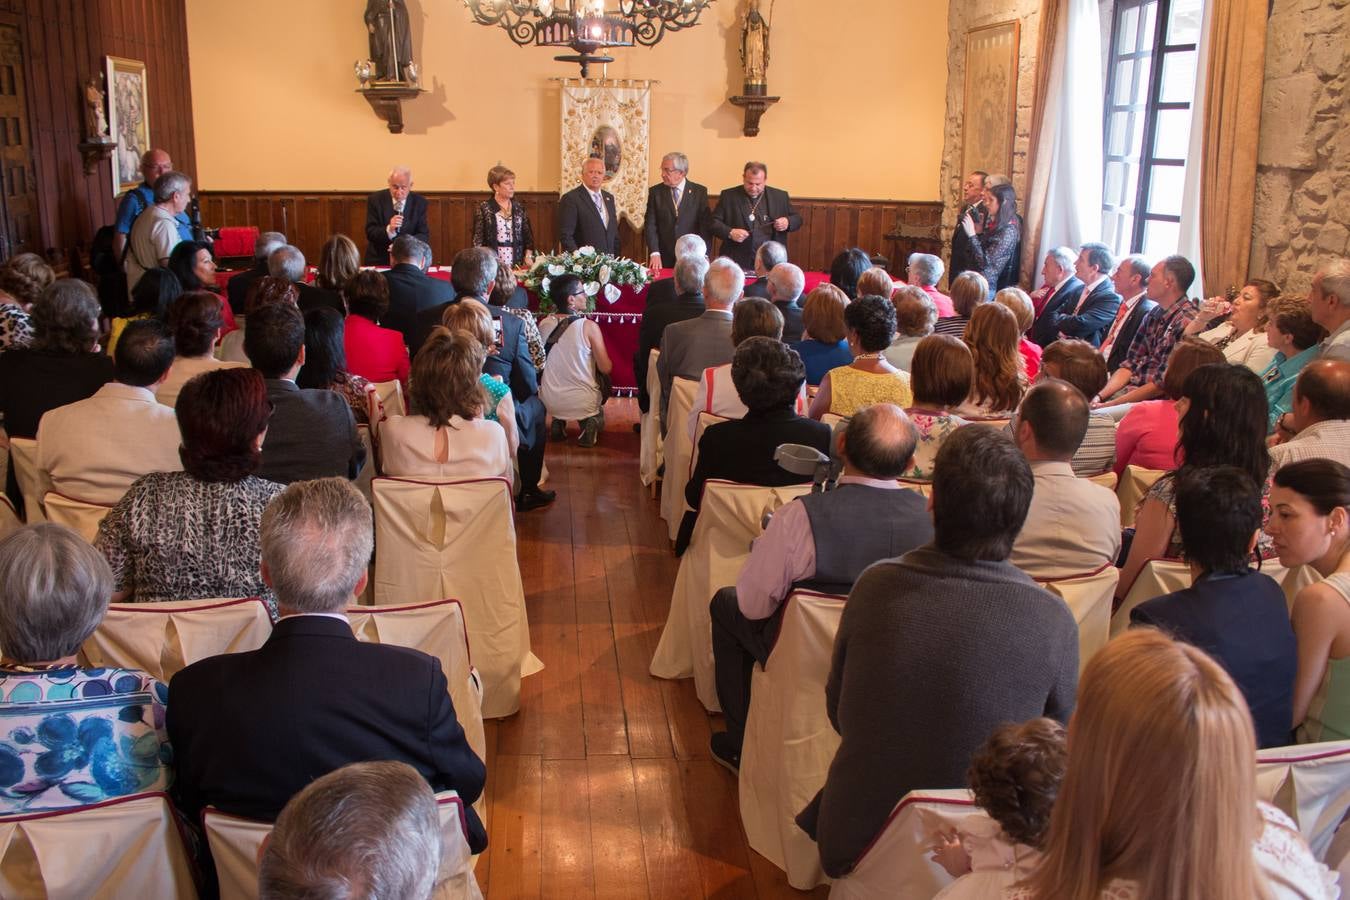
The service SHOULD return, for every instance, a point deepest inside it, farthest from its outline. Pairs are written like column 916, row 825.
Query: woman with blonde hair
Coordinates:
column 339, row 261
column 1238, row 328
column 472, row 317
column 1159, row 799
column 1019, row 304
column 1000, row 375
column 968, row 291
column 876, row 282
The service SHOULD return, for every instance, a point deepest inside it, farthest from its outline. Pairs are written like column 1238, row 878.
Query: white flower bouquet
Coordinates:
column 600, row 274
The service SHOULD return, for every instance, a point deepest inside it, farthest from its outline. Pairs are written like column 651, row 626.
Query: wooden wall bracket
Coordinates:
column 755, row 105
column 95, row 151
column 387, row 101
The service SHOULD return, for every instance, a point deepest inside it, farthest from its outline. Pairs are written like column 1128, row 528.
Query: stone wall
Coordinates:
column 1303, row 162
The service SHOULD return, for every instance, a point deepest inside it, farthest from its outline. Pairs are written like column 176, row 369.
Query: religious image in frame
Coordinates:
column 991, row 98
column 128, row 120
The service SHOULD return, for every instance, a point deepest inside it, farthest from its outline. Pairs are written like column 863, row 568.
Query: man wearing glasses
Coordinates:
column 675, row 207
column 392, row 213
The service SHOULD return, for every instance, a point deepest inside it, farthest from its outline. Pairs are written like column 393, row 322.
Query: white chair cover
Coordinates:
column 1158, row 577
column 235, row 844
column 1292, row 581
column 832, row 419
column 789, row 741
column 128, row 847
column 162, row 638
column 1106, row 479
column 1134, row 484
column 1311, row 784
column 368, row 470
column 32, row 484
column 896, row 866
column 650, row 444
column 705, row 420
column 678, row 453
column 231, row 346
column 391, row 395
column 9, row 518
column 1089, row 599
column 728, row 520
column 457, row 539
column 77, row 515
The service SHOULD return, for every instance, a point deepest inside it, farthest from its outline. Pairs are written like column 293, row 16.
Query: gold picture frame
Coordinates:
column 990, row 109
column 128, row 119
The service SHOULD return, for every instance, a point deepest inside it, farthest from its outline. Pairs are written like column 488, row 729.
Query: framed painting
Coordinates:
column 128, row 120
column 990, row 99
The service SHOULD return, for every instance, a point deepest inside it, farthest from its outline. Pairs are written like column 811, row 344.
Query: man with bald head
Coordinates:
column 392, row 213
column 1318, row 426
column 154, row 163
column 587, row 216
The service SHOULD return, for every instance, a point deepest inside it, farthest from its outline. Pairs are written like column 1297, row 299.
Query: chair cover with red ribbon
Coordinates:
column 78, row 515
column 162, row 638
column 677, row 453
column 1088, row 597
column 650, row 445
column 1311, row 784
column 1134, row 484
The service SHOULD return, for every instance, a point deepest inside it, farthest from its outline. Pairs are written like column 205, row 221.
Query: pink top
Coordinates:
column 376, row 354
column 1147, row 436
column 1031, row 355
column 940, row 300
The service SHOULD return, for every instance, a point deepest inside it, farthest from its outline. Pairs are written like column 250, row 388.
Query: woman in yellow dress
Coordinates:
column 869, row 379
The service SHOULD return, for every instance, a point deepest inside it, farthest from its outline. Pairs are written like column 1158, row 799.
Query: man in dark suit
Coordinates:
column 412, row 291
column 688, row 304
column 664, row 290
column 769, row 255
column 972, row 193
column 1090, row 314
column 689, row 347
column 675, row 207
column 250, row 730
column 752, row 213
column 311, row 433
column 288, row 262
column 1130, row 281
column 1061, row 287
column 786, row 282
column 587, row 216
column 389, row 214
column 237, row 287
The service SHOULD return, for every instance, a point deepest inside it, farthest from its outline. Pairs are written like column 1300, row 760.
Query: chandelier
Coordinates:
column 586, row 26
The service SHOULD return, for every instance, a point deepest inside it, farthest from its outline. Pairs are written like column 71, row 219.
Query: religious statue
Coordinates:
column 754, row 45
column 95, row 120
column 390, row 40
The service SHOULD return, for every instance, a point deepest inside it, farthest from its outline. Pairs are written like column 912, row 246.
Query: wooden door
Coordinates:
column 18, row 194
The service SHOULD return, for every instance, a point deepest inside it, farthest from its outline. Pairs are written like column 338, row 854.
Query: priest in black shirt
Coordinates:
column 751, row 214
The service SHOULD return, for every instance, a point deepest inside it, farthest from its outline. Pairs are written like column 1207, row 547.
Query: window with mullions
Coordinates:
column 1149, row 85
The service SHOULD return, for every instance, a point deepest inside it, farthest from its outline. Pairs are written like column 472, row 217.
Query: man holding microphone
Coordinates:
column 394, row 212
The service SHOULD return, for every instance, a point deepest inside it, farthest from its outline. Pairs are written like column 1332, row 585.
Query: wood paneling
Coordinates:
column 892, row 228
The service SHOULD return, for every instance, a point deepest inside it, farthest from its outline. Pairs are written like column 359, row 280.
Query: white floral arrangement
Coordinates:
column 600, row 274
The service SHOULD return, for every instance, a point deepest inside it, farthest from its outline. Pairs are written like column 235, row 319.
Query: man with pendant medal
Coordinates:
column 748, row 215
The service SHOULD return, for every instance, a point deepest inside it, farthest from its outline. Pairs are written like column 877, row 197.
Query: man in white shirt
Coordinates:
column 155, row 233
column 1073, row 525
column 1330, row 300
column 1318, row 426
column 93, row 449
column 1130, row 280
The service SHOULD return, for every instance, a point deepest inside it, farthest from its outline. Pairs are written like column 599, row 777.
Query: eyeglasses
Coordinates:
column 667, row 170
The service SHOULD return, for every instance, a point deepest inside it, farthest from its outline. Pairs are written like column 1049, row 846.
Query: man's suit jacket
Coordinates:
column 1127, row 332
column 411, row 291
column 250, row 730
column 664, row 224
column 689, row 347
column 311, row 435
column 379, row 210
column 1090, row 320
column 1045, row 332
column 654, row 322
column 792, row 321
column 312, row 297
column 579, row 222
column 731, row 213
column 963, row 257
column 237, row 287
column 662, row 290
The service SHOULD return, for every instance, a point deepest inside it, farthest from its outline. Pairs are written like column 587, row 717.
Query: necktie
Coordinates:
column 600, row 208
column 1078, row 307
column 1115, row 327
column 675, row 195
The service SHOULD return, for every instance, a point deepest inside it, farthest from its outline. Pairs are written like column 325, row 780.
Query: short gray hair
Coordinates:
column 169, row 184
column 927, row 268
column 287, row 262
column 369, row 829
column 690, row 245
column 316, row 539
column 407, row 248
column 1335, row 280
column 770, row 254
column 267, row 242
column 1065, row 256
column 689, row 274
column 401, row 170
column 724, row 283
column 54, row 590
column 992, row 181
column 679, row 159
column 787, row 281
column 474, row 271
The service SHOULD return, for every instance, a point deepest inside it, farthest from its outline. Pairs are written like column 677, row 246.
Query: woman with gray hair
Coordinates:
column 69, row 736
column 915, row 316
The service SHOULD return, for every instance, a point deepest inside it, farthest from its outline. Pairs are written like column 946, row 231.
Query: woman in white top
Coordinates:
column 574, row 354
column 1242, row 335
column 1159, row 799
column 196, row 321
column 446, row 435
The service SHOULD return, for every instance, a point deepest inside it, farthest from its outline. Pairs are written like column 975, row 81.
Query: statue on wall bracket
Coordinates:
column 390, row 76
column 754, row 50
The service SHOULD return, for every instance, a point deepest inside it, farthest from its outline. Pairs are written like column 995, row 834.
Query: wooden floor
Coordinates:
column 601, row 785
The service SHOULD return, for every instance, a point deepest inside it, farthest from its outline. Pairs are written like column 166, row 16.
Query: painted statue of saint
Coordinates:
column 95, row 121
column 390, row 40
column 755, row 45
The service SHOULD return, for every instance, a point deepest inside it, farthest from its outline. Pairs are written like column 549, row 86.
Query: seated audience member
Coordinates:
column 1081, row 365
column 1232, row 612
column 512, row 299
column 1088, row 315
column 237, row 287
column 768, row 377
column 193, row 265
column 769, row 256
column 1073, row 526
column 1147, row 435
column 1140, row 376
column 822, row 542
column 716, row 394
column 941, row 376
column 1019, row 304
column 194, row 319
column 374, row 353
column 690, row 346
column 687, row 304
column 927, row 634
column 312, row 433
column 914, row 319
column 846, row 268
column 445, row 434
column 786, row 283
column 969, row 291
column 73, row 735
column 368, row 701
column 1130, row 280
column 876, row 282
column 924, row 272
column 570, row 386
column 1000, row 377
column 193, row 535
column 1062, row 287
column 470, row 316
column 1310, row 525
column 264, row 291
column 289, row 263
column 368, row 829
column 1329, row 298
column 1318, row 423
column 413, row 294
column 23, row 278
column 325, row 367
column 93, row 449
column 339, row 261
column 1014, row 777
column 1159, row 796
column 1295, row 337
column 150, row 299
column 870, row 378
column 824, row 343
column 1221, row 423
column 663, row 290
column 1239, row 328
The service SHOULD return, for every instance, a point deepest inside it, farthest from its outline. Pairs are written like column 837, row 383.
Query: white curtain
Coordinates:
column 1188, row 242
column 1066, row 185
